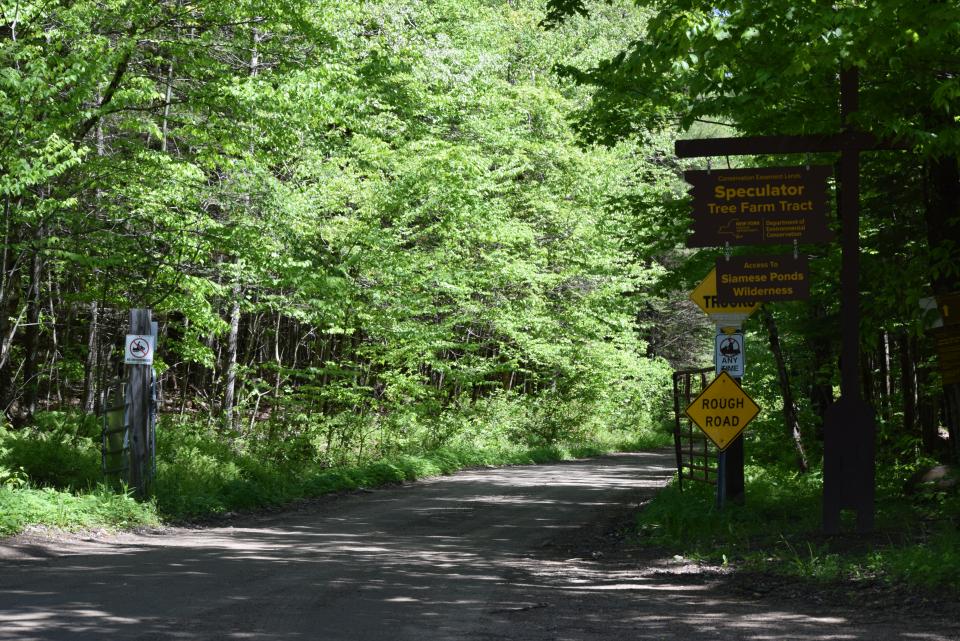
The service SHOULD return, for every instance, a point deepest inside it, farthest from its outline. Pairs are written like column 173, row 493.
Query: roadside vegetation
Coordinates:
column 374, row 245
column 50, row 474
column 778, row 529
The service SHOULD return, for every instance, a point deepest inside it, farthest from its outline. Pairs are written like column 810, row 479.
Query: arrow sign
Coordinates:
column 705, row 296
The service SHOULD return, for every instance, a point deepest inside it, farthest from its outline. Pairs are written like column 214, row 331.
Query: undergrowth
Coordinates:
column 778, row 528
column 199, row 476
column 50, row 472
column 99, row 507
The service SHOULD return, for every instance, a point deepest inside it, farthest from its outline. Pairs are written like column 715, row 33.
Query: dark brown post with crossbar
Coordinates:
column 849, row 458
column 849, row 429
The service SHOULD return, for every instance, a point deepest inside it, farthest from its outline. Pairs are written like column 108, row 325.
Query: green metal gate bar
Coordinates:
column 696, row 455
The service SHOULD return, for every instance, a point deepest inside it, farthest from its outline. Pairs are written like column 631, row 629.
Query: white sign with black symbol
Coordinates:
column 139, row 349
column 729, row 354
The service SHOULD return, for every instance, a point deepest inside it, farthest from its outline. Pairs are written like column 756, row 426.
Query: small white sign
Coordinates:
column 729, row 354
column 139, row 349
column 728, row 319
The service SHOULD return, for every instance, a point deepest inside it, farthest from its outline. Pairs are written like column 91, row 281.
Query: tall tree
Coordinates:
column 771, row 67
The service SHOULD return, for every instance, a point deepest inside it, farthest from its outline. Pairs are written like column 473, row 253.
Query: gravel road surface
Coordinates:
column 520, row 553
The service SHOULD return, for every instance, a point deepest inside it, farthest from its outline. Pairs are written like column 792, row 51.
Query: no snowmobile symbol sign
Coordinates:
column 138, row 349
column 729, row 354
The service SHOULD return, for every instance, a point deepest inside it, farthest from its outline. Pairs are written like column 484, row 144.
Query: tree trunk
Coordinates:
column 32, row 333
column 104, row 372
column 53, row 353
column 90, row 365
column 168, row 97
column 231, row 368
column 908, row 384
column 93, row 331
column 8, row 286
column 885, row 384
column 821, row 387
column 789, row 406
column 236, row 291
column 278, row 358
column 927, row 407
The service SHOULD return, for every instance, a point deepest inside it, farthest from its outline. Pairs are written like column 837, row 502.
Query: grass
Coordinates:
column 777, row 529
column 100, row 508
column 50, row 474
column 200, row 476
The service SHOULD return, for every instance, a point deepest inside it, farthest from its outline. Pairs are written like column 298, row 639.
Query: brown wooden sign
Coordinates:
column 742, row 279
column 949, row 307
column 948, row 353
column 762, row 206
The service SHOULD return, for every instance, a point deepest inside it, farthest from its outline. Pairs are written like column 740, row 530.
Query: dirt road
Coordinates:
column 510, row 553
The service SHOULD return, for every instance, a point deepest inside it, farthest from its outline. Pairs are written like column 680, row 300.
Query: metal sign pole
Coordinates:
column 730, row 474
column 722, row 467
column 722, row 479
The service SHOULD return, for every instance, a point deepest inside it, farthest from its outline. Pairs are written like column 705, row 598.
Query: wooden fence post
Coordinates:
column 138, row 408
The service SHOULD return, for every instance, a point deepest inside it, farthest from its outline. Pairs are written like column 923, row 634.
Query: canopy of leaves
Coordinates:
column 369, row 214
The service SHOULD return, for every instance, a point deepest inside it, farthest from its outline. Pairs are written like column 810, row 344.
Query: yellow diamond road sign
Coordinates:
column 722, row 410
column 705, row 296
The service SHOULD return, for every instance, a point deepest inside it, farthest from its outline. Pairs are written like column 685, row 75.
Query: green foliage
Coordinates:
column 765, row 65
column 777, row 528
column 99, row 507
column 58, row 452
column 200, row 474
column 689, row 521
column 718, row 69
column 932, row 563
column 384, row 204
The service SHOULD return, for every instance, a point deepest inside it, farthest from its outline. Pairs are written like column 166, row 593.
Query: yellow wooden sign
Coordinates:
column 722, row 410
column 705, row 296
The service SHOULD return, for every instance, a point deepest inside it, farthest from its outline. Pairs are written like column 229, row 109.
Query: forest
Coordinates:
column 393, row 238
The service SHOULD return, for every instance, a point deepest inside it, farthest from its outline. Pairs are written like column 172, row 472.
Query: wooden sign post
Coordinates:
column 849, row 457
column 138, row 356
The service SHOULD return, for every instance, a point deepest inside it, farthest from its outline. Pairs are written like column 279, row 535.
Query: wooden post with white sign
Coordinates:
column 138, row 356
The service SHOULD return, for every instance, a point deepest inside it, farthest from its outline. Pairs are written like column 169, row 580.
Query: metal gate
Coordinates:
column 696, row 455
column 115, row 434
